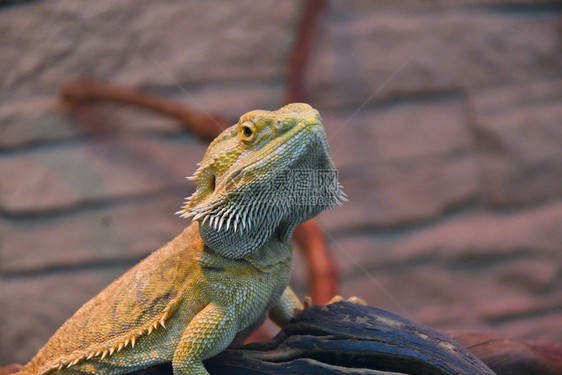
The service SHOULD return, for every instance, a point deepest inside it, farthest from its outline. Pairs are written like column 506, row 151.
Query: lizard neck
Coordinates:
column 276, row 250
column 273, row 253
column 251, row 243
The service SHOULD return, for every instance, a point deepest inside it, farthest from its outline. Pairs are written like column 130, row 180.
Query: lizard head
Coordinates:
column 262, row 177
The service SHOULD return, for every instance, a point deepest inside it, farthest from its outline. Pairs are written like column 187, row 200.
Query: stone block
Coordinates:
column 519, row 136
column 53, row 178
column 484, row 271
column 34, row 121
column 470, row 300
column 402, row 131
column 142, row 43
column 483, row 238
column 401, row 163
column 361, row 53
column 125, row 231
column 395, row 193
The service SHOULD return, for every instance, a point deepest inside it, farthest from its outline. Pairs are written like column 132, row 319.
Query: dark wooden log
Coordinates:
column 345, row 338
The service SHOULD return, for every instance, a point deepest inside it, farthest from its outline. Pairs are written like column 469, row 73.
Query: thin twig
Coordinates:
column 88, row 91
column 323, row 273
column 301, row 50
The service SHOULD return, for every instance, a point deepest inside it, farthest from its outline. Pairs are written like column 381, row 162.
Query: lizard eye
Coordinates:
column 247, row 131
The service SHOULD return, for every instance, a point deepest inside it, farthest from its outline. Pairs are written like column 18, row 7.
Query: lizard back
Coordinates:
column 134, row 305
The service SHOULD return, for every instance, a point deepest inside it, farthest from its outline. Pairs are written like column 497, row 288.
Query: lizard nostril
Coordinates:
column 285, row 124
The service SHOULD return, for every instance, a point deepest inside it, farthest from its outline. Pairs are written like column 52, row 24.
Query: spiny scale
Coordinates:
column 103, row 353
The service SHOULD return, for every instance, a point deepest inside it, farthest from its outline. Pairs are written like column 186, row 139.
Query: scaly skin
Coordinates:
column 187, row 301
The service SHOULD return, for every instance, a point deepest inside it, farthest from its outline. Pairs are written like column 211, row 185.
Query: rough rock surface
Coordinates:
column 443, row 117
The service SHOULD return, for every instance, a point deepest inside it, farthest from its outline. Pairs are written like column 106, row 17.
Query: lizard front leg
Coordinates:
column 286, row 307
column 208, row 333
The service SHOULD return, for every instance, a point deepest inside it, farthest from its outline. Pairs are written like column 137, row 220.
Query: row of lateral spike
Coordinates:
column 104, row 353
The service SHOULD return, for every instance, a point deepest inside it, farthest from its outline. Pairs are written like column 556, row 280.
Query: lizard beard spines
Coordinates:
column 236, row 223
column 225, row 214
column 339, row 197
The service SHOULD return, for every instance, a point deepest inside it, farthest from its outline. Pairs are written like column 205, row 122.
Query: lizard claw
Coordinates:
column 306, row 302
column 335, row 299
column 356, row 300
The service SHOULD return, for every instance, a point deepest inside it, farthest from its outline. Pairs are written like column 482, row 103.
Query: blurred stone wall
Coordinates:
column 444, row 118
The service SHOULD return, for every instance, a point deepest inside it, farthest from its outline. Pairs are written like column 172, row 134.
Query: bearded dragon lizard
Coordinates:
column 189, row 300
